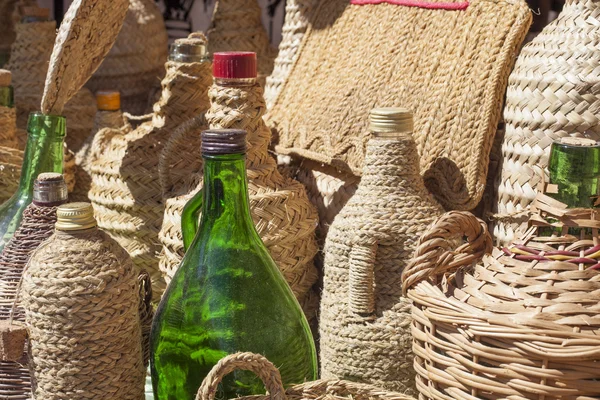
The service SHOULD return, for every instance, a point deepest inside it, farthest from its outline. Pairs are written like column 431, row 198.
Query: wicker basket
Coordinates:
column 521, row 325
column 268, row 373
column 135, row 64
column 292, row 33
column 442, row 60
column 552, row 93
column 236, row 26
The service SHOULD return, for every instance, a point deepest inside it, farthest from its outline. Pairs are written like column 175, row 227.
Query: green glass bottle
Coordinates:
column 43, row 153
column 6, row 93
column 575, row 170
column 227, row 295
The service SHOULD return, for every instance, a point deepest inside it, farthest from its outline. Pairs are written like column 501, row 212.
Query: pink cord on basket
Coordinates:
column 416, row 3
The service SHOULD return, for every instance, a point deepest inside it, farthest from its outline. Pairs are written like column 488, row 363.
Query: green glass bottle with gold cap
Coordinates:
column 227, row 295
column 43, row 153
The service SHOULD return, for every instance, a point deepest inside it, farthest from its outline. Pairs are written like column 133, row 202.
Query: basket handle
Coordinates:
column 457, row 239
column 362, row 276
column 256, row 363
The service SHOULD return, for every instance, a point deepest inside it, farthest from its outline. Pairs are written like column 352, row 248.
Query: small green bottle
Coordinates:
column 575, row 170
column 227, row 295
column 43, row 153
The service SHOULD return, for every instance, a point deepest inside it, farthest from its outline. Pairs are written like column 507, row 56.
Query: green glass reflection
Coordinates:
column 7, row 96
column 43, row 153
column 227, row 296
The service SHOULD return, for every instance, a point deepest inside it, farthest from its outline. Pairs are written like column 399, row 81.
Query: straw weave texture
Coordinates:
column 552, row 93
column 8, row 127
column 449, row 67
column 282, row 213
column 522, row 324
column 135, row 64
column 81, row 299
column 292, row 33
column 364, row 320
column 37, row 225
column 236, row 26
column 268, row 373
column 126, row 191
column 29, row 63
column 10, row 171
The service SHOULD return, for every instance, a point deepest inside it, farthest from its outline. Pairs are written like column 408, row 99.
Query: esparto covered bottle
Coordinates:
column 228, row 294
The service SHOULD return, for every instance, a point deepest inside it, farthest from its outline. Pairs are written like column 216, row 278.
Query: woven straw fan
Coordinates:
column 86, row 34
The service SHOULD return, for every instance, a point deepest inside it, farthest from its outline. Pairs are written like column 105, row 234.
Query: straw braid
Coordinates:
column 126, row 191
column 135, row 64
column 283, row 216
column 292, row 33
column 552, row 93
column 80, row 294
column 236, row 26
column 37, row 225
column 367, row 247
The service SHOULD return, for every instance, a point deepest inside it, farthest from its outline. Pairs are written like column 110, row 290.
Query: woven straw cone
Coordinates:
column 37, row 226
column 83, row 158
column 451, row 72
column 268, row 373
column 236, row 26
column 292, row 33
column 367, row 246
column 522, row 324
column 29, row 63
column 552, row 93
column 135, row 64
column 282, row 213
column 10, row 171
column 97, row 359
column 126, row 191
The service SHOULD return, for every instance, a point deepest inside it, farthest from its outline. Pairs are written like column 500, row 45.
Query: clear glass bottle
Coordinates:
column 227, row 295
column 43, row 153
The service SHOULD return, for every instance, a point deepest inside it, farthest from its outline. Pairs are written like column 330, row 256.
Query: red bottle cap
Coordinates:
column 234, row 65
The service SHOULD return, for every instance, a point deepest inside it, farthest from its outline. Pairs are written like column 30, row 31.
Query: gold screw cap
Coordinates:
column 390, row 120
column 75, row 217
column 108, row 100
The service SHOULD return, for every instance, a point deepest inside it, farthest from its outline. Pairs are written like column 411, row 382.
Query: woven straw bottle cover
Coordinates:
column 292, row 33
column 282, row 213
column 98, row 359
column 50, row 190
column 126, row 191
column 236, row 26
column 109, row 115
column 367, row 247
column 552, row 93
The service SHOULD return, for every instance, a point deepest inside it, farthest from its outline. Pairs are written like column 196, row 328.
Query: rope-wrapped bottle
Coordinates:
column 37, row 225
column 282, row 213
column 93, row 313
column 125, row 190
column 109, row 115
column 367, row 247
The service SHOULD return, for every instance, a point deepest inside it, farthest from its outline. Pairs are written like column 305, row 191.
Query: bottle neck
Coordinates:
column 44, row 150
column 226, row 203
column 6, row 96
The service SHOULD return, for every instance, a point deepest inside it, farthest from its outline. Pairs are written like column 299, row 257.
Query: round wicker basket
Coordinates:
column 523, row 324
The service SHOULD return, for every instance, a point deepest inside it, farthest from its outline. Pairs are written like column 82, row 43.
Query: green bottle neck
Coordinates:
column 44, row 150
column 226, row 204
column 7, row 96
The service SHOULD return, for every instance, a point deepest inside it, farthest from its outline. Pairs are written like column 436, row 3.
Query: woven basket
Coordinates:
column 367, row 246
column 135, row 64
column 29, row 59
column 268, row 373
column 282, row 213
column 447, row 62
column 522, row 324
column 125, row 190
column 552, row 93
column 10, row 171
column 9, row 14
column 292, row 33
column 236, row 26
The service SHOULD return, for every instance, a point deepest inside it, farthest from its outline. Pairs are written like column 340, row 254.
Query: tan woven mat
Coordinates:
column 448, row 62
